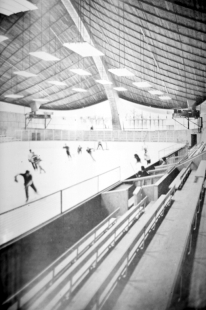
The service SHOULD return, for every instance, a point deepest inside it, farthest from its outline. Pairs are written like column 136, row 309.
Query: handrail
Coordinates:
column 117, row 267
column 61, row 190
column 190, row 159
column 112, row 236
column 168, row 147
column 180, row 178
column 60, row 258
column 145, row 178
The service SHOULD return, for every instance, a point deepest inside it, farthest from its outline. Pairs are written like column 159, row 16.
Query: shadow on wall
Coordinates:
column 21, row 261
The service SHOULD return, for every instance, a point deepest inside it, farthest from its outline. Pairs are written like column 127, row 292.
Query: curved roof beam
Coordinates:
column 110, row 92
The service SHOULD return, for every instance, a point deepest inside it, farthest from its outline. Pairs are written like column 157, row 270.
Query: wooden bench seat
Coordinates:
column 178, row 181
column 200, row 172
column 71, row 277
column 197, row 291
column 95, row 289
column 130, row 202
column 153, row 281
column 40, row 283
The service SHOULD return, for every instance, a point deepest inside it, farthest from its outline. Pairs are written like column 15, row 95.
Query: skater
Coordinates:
column 79, row 149
column 89, row 151
column 143, row 172
column 100, row 145
column 138, row 160
column 38, row 160
column 67, row 150
column 147, row 157
column 28, row 181
column 138, row 163
column 31, row 159
column 162, row 161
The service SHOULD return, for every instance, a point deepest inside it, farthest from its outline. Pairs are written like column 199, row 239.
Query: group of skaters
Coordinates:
column 141, row 171
column 89, row 150
column 35, row 160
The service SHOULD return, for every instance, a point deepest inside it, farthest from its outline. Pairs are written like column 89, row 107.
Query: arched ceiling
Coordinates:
column 161, row 42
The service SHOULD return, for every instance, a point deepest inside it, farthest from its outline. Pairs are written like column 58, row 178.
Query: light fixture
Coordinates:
column 58, row 83
column 165, row 98
column 104, row 82
column 44, row 56
column 3, row 38
column 40, row 100
column 25, row 73
column 10, row 7
column 84, row 49
column 142, row 84
column 80, row 71
column 80, row 90
column 121, row 72
column 120, row 88
column 14, row 96
column 155, row 92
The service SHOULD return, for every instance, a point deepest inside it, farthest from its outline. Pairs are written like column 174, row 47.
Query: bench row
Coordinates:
column 153, row 281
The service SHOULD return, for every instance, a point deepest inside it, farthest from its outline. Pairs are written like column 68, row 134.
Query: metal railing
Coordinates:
column 168, row 150
column 43, row 280
column 46, row 208
column 118, row 266
column 58, row 272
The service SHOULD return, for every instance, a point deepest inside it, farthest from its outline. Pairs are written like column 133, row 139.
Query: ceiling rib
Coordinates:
column 110, row 92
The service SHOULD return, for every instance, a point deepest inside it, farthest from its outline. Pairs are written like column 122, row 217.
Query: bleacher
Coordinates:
column 197, row 289
column 153, row 281
column 169, row 237
column 64, row 275
column 39, row 285
column 96, row 290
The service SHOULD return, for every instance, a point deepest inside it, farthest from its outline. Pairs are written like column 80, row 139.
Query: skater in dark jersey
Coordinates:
column 89, row 151
column 79, row 149
column 67, row 150
column 28, row 181
column 99, row 145
column 162, row 161
column 138, row 163
column 143, row 172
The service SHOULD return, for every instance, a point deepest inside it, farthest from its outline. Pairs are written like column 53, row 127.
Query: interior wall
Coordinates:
column 132, row 117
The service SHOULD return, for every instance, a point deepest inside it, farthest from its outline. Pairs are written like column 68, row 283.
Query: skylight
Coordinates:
column 121, row 72
column 80, row 71
column 25, row 73
column 142, row 84
column 44, row 56
column 84, row 49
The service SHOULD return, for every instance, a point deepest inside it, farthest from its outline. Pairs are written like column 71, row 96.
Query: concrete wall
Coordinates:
column 117, row 198
column 26, row 258
column 162, row 185
column 132, row 117
column 94, row 135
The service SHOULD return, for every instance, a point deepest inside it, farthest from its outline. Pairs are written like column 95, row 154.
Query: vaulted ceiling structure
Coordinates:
column 159, row 42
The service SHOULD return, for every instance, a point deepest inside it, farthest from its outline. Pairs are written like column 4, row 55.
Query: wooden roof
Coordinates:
column 161, row 42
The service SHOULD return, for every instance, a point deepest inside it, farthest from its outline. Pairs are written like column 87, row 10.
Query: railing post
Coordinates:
column 61, row 200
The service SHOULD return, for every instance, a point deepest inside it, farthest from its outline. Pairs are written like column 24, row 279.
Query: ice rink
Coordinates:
column 62, row 172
